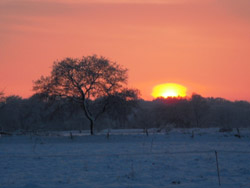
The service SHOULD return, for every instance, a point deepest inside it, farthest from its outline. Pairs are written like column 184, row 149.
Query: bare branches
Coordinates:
column 2, row 98
column 84, row 80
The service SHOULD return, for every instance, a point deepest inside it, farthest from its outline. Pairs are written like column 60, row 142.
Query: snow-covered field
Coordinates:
column 128, row 158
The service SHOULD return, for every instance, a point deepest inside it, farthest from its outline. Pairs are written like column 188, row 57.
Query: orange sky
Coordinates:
column 201, row 44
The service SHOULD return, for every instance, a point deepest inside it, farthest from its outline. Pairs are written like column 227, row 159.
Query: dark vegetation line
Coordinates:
column 34, row 114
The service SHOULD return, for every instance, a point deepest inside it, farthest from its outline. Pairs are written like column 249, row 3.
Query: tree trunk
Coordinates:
column 91, row 127
column 89, row 117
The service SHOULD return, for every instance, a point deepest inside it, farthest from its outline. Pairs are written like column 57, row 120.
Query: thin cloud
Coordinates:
column 132, row 1
column 102, row 1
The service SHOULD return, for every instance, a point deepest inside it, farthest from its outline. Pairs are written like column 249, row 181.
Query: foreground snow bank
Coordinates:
column 127, row 158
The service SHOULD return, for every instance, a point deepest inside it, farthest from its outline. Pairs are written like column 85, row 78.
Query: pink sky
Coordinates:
column 201, row 44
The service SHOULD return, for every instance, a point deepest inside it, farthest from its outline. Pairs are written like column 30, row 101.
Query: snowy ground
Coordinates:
column 127, row 159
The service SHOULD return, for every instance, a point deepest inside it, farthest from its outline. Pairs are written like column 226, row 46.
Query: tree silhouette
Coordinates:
column 2, row 98
column 91, row 82
column 1, row 95
column 200, row 108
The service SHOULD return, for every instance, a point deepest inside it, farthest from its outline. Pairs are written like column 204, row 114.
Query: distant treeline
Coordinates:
column 34, row 114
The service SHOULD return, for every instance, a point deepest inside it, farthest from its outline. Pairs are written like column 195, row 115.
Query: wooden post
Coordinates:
column 192, row 134
column 217, row 164
column 71, row 135
column 107, row 135
column 238, row 131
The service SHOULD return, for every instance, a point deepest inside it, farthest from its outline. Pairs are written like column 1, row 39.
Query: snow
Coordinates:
column 128, row 158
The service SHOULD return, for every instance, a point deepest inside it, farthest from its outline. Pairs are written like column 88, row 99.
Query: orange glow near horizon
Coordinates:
column 202, row 44
column 169, row 90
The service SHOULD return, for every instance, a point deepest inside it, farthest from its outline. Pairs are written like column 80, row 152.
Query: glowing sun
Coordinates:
column 169, row 90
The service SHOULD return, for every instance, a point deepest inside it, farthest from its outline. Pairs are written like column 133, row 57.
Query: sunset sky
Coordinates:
column 201, row 44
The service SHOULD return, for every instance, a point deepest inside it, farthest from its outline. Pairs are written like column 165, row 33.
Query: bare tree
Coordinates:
column 84, row 81
column 1, row 95
column 2, row 98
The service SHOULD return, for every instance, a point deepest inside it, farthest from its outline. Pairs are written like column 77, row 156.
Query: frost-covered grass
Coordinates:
column 128, row 158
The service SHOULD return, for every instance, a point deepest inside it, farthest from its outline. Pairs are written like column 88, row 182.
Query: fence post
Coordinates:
column 217, row 164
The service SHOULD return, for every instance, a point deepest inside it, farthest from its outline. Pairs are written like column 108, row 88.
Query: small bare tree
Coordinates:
column 2, row 98
column 1, row 95
column 90, row 81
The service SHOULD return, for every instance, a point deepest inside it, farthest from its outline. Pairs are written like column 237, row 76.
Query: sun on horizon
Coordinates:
column 169, row 90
